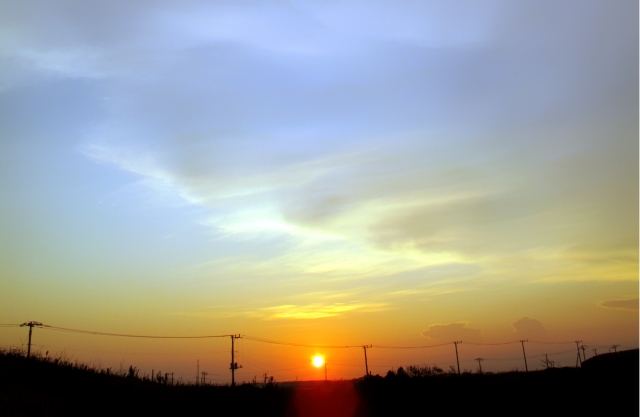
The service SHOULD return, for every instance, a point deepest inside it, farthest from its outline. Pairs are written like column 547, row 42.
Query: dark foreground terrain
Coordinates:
column 607, row 385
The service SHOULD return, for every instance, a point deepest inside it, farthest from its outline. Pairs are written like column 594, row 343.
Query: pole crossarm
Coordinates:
column 32, row 324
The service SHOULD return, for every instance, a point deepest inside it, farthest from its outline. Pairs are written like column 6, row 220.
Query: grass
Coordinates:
column 45, row 386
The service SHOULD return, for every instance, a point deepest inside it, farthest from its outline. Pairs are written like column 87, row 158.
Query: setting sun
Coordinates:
column 318, row 361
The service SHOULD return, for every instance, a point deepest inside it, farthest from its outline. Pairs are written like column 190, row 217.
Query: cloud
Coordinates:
column 452, row 331
column 315, row 311
column 629, row 304
column 338, row 127
column 528, row 327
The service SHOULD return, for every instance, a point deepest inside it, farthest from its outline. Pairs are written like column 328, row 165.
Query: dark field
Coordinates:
column 605, row 385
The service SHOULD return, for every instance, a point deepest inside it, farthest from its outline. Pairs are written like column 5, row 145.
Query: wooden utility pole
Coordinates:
column 234, row 364
column 31, row 324
column 198, row 372
column 457, row 360
column 614, row 347
column 578, row 359
column 480, row 364
column 366, row 363
column 525, row 355
column 584, row 355
column 204, row 377
column 595, row 352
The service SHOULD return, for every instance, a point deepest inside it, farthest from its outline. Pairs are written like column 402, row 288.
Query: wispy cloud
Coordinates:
column 628, row 304
column 335, row 143
column 316, row 311
column 289, row 311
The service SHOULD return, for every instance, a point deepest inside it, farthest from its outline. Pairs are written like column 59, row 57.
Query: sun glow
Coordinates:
column 318, row 361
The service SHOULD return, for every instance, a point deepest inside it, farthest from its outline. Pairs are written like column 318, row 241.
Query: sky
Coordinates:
column 326, row 173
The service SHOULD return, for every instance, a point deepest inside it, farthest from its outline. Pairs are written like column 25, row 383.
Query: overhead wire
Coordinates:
column 130, row 353
column 491, row 344
column 408, row 347
column 64, row 329
column 276, row 342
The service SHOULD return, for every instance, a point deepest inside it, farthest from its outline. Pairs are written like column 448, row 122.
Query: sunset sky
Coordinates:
column 327, row 173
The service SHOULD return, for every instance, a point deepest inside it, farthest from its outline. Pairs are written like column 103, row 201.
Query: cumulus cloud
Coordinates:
column 527, row 327
column 628, row 304
column 452, row 331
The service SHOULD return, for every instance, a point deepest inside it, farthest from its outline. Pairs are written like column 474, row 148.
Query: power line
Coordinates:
column 64, row 329
column 560, row 353
column 492, row 344
column 276, row 342
column 270, row 341
column 128, row 353
column 409, row 347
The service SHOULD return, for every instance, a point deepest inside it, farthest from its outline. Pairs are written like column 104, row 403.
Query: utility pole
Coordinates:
column 204, row 377
column 265, row 378
column 31, row 324
column 614, row 347
column 366, row 363
column 584, row 355
column 525, row 355
column 578, row 359
column 457, row 360
column 546, row 361
column 171, row 378
column 480, row 363
column 198, row 372
column 595, row 352
column 234, row 365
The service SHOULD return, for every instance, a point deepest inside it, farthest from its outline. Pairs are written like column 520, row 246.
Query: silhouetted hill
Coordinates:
column 37, row 387
column 606, row 384
column 620, row 362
